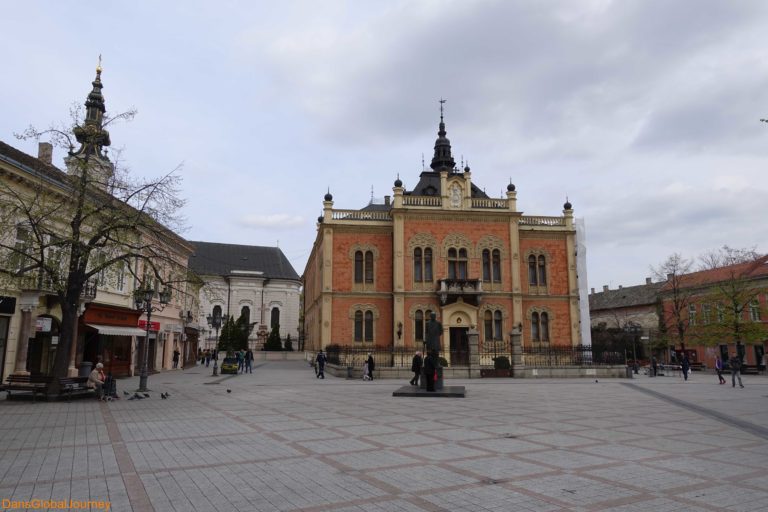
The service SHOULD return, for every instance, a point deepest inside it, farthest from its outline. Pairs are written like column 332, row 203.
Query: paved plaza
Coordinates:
column 283, row 440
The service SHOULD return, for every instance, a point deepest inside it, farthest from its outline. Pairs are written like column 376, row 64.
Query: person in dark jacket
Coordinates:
column 719, row 369
column 320, row 359
column 686, row 367
column 416, row 368
column 176, row 355
column 371, row 366
column 735, row 363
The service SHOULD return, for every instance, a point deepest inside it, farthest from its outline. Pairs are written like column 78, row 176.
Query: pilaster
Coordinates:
column 326, row 307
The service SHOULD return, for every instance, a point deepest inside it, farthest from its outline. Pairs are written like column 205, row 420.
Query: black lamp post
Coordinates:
column 142, row 298
column 215, row 322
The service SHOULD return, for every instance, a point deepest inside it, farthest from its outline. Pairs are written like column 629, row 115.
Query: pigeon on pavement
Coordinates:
column 146, row 395
column 229, row 390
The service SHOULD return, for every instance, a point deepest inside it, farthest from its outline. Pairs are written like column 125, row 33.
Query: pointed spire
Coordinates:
column 442, row 159
column 92, row 136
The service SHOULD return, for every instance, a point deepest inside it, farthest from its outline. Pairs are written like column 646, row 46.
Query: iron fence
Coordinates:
column 581, row 355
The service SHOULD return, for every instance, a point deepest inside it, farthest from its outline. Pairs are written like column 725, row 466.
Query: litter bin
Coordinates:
column 85, row 369
column 349, row 372
column 629, row 372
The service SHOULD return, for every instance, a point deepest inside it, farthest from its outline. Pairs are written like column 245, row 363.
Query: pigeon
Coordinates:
column 126, row 393
column 163, row 396
column 595, row 380
column 229, row 390
column 146, row 395
column 137, row 396
column 167, row 394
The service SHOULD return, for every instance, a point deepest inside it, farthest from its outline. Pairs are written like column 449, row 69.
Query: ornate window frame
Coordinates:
column 538, row 311
column 368, row 336
column 537, row 288
column 493, row 308
column 364, row 285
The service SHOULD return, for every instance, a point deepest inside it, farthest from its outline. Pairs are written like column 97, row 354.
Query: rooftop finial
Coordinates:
column 422, row 164
column 98, row 66
column 441, row 108
column 442, row 159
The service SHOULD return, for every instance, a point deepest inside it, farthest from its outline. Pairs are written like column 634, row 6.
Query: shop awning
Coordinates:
column 114, row 330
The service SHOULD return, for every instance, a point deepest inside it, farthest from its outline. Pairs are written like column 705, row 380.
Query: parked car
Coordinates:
column 229, row 365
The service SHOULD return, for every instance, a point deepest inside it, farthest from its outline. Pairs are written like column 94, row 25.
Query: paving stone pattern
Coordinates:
column 284, row 441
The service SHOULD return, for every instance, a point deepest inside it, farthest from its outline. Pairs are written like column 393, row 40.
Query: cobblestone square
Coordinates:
column 285, row 441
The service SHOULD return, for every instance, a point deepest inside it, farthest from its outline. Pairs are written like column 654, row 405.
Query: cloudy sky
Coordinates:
column 645, row 114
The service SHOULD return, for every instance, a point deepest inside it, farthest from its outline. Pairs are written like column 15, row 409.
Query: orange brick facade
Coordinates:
column 448, row 228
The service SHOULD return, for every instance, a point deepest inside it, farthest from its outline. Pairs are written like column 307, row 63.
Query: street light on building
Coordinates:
column 142, row 298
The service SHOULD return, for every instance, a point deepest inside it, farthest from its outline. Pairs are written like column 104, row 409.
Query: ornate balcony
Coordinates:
column 470, row 290
column 42, row 283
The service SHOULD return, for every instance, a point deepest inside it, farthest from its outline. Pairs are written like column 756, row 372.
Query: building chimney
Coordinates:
column 620, row 287
column 45, row 152
column 386, row 200
column 592, row 292
column 605, row 287
column 670, row 277
column 647, row 280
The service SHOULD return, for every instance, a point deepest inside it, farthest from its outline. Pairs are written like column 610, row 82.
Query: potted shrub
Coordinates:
column 501, row 368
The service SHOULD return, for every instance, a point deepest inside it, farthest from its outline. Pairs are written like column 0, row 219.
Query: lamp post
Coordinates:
column 214, row 321
column 142, row 298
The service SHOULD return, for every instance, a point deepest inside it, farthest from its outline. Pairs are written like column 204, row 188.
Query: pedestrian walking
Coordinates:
column 200, row 356
column 249, row 361
column 416, row 365
column 654, row 366
column 719, row 369
column 176, row 355
column 735, row 364
column 320, row 359
column 366, row 374
column 371, row 366
column 207, row 357
column 685, row 366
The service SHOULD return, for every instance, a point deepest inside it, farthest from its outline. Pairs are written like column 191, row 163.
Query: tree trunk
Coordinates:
column 69, row 309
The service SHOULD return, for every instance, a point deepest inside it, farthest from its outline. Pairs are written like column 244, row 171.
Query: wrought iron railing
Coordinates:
column 581, row 355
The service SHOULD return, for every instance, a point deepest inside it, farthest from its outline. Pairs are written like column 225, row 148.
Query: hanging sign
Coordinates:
column 153, row 326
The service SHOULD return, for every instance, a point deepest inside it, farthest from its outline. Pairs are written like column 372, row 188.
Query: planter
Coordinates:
column 494, row 373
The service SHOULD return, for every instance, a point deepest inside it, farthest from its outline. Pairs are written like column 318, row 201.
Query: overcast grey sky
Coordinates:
column 644, row 113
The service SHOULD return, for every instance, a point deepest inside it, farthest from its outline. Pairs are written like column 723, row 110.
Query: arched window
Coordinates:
column 275, row 318
column 462, row 263
column 452, row 263
column 216, row 312
column 417, row 265
column 428, row 264
column 358, row 266
column 496, row 266
column 542, row 271
column 535, row 336
column 358, row 326
column 369, row 326
column 497, row 325
column 486, row 265
column 418, row 325
column 488, row 325
column 368, row 267
column 544, row 327
column 532, row 280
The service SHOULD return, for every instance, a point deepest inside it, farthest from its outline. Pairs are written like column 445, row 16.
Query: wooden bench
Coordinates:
column 28, row 383
column 698, row 367
column 749, row 369
column 71, row 386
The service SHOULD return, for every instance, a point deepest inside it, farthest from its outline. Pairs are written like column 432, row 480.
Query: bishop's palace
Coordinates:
column 375, row 274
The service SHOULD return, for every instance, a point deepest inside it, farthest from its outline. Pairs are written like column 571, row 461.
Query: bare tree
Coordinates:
column 66, row 232
column 674, row 321
column 726, row 256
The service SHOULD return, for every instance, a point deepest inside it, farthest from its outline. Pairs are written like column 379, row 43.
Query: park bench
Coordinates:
column 71, row 386
column 28, row 383
column 698, row 367
column 749, row 369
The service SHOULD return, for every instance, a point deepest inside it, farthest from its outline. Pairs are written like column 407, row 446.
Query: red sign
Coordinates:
column 153, row 326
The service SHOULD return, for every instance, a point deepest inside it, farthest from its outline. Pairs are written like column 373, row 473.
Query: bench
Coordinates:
column 698, row 367
column 749, row 369
column 670, row 369
column 75, row 386
column 28, row 383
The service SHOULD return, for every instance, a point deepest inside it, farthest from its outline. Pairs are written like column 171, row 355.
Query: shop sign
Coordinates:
column 43, row 324
column 153, row 326
column 54, row 340
column 173, row 328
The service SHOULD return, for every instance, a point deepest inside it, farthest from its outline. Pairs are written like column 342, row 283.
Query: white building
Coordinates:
column 252, row 280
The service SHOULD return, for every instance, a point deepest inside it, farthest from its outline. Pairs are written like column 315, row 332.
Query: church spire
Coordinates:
column 92, row 136
column 442, row 159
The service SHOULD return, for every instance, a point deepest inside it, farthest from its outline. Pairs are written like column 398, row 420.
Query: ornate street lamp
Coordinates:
column 215, row 321
column 142, row 298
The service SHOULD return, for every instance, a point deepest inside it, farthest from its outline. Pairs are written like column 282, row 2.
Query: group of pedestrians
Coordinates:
column 244, row 361
column 206, row 356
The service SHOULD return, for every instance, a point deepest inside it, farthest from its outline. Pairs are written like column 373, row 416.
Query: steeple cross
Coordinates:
column 441, row 107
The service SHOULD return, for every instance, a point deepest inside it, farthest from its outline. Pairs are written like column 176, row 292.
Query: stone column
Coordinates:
column 474, row 353
column 517, row 352
column 22, row 343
